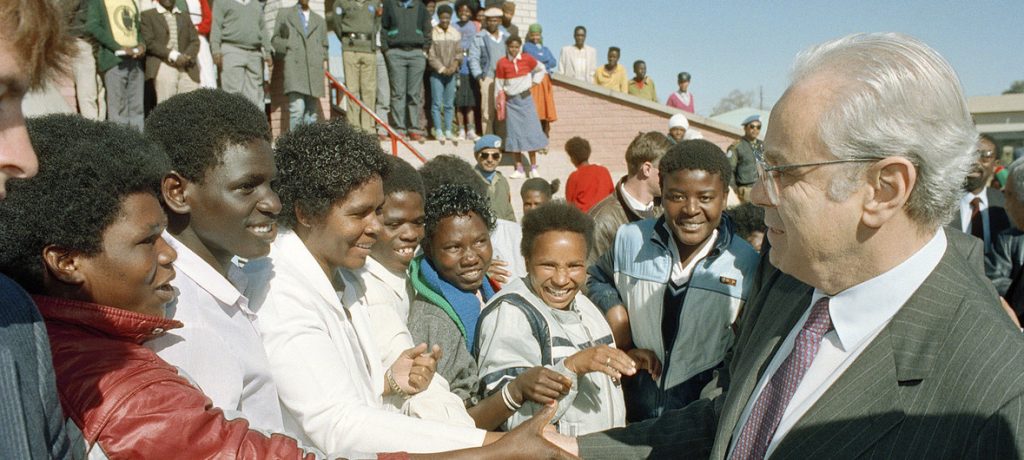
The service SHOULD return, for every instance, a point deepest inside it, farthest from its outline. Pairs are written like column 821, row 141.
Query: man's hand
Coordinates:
column 414, row 368
column 183, row 61
column 218, row 60
column 530, row 440
column 610, row 361
column 647, row 360
column 540, row 385
column 270, row 64
column 498, row 272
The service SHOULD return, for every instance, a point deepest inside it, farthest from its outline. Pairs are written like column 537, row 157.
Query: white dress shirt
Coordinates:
column 965, row 215
column 387, row 297
column 505, row 241
column 219, row 348
column 858, row 314
column 578, row 63
column 634, row 203
column 328, row 371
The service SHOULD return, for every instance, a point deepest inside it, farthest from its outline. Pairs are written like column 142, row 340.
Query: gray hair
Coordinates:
column 896, row 97
column 1016, row 175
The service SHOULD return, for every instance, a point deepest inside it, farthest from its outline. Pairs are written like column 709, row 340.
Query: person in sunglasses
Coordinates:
column 741, row 155
column 487, row 151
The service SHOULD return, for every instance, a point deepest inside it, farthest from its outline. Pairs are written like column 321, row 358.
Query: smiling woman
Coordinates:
column 450, row 280
column 544, row 320
column 332, row 378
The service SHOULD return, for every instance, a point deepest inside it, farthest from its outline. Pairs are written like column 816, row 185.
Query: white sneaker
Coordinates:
column 439, row 136
column 451, row 137
column 517, row 174
column 534, row 171
column 471, row 135
column 462, row 134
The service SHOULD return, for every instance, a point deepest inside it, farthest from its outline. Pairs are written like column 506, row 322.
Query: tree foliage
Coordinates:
column 735, row 100
column 1016, row 87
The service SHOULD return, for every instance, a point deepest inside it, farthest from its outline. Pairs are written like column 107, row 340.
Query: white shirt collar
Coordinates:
column 965, row 201
column 634, row 203
column 860, row 310
column 160, row 8
column 394, row 280
column 681, row 273
column 226, row 290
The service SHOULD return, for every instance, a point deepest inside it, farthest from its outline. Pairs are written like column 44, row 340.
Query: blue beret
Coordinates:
column 489, row 141
column 750, row 120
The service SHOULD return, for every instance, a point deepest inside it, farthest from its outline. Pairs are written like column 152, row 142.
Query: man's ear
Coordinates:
column 63, row 265
column 175, row 190
column 646, row 168
column 891, row 181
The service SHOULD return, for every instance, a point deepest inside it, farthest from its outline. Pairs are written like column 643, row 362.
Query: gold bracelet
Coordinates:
column 390, row 378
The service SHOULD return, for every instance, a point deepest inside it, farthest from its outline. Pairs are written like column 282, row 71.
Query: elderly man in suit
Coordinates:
column 874, row 337
column 981, row 208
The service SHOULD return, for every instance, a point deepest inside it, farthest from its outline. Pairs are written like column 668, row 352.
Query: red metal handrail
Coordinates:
column 395, row 137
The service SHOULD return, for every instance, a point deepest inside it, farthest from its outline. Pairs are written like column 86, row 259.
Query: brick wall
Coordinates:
column 610, row 120
column 526, row 14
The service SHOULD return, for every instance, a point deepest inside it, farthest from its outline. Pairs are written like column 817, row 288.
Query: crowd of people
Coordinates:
column 449, row 70
column 226, row 294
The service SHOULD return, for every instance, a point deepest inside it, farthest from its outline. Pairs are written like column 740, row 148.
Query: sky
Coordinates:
column 750, row 45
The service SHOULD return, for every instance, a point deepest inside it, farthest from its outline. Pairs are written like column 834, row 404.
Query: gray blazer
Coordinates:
column 303, row 53
column 944, row 379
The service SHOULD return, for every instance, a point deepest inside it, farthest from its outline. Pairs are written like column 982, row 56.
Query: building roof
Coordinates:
column 996, row 104
column 698, row 121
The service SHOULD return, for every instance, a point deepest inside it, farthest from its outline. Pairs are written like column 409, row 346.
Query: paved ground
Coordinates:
column 554, row 165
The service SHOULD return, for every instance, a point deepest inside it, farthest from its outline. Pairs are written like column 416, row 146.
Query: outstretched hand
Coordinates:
column 602, row 358
column 540, row 385
column 532, row 439
column 647, row 360
column 415, row 367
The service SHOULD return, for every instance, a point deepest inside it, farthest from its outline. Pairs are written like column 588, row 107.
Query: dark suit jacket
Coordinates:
column 998, row 220
column 944, row 379
column 156, row 36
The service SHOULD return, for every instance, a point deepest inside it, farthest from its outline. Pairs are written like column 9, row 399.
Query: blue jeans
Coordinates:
column 301, row 110
column 442, row 95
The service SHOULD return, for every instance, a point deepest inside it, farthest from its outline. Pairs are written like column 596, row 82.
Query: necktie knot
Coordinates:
column 976, row 203
column 820, row 321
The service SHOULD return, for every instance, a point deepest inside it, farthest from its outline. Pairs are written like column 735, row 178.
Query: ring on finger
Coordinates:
column 608, row 361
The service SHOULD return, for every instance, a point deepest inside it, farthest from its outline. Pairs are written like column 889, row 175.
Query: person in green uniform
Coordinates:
column 356, row 23
column 742, row 154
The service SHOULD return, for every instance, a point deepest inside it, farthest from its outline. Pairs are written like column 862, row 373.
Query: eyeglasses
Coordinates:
column 493, row 156
column 754, row 126
column 767, row 178
column 986, row 154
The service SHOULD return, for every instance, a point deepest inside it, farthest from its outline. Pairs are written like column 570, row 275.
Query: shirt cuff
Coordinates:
column 173, row 56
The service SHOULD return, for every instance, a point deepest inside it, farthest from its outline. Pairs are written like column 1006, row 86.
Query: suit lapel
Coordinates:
column 779, row 309
column 872, row 396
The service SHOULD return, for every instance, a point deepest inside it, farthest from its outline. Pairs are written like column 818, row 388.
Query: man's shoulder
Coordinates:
column 606, row 206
